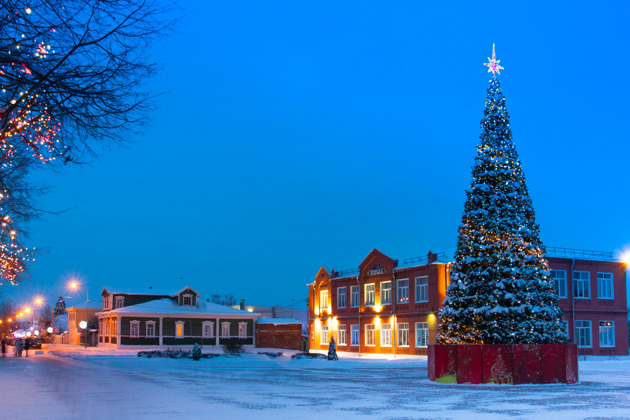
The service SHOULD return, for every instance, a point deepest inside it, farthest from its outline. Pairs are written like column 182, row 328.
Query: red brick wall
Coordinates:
column 279, row 336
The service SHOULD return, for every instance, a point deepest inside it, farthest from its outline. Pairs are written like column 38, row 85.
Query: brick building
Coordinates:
column 390, row 307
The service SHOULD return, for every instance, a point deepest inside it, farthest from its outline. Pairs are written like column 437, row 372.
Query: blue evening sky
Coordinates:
column 299, row 134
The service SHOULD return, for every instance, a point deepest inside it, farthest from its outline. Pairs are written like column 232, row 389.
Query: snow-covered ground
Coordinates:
column 75, row 383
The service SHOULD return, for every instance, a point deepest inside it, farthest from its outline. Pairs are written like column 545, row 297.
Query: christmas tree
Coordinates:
column 500, row 291
column 332, row 350
column 60, row 307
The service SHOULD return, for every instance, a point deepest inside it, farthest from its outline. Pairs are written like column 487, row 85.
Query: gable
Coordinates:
column 377, row 263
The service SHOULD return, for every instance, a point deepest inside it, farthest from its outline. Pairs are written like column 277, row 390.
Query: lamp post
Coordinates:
column 74, row 285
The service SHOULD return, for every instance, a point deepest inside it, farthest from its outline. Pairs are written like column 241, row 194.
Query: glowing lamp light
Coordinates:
column 378, row 307
column 27, row 310
column 36, row 332
column 10, row 320
column 28, row 333
column 83, row 325
column 377, row 320
column 50, row 330
column 38, row 301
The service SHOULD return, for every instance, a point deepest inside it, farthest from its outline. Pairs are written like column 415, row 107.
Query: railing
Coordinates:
column 554, row 251
column 348, row 272
column 424, row 259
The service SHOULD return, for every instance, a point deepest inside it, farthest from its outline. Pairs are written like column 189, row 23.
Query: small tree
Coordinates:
column 196, row 353
column 332, row 350
column 60, row 307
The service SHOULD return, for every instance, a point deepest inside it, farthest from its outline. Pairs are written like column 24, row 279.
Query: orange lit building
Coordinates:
column 390, row 307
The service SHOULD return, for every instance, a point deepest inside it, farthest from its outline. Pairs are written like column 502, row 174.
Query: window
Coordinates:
column 559, row 278
column 402, row 290
column 354, row 330
column 225, row 329
column 403, row 334
column 386, row 293
column 71, row 316
column 354, row 296
column 606, row 334
column 120, row 301
column 179, row 329
column 369, row 294
column 386, row 335
column 323, row 300
column 583, row 333
column 242, row 329
column 341, row 297
column 105, row 303
column 150, row 329
column 582, row 284
column 605, row 286
column 341, row 335
column 422, row 334
column 187, row 300
column 422, row 289
column 134, row 329
column 369, row 335
column 110, row 301
column 323, row 337
column 207, row 329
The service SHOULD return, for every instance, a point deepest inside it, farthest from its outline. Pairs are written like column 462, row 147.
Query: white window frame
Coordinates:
column 386, row 293
column 605, row 286
column 606, row 333
column 582, row 286
column 355, row 297
column 242, row 330
column 402, row 291
column 225, row 329
column 110, row 302
column 386, row 335
column 323, row 335
column 583, row 334
column 341, row 335
column 370, row 294
column 187, row 296
column 323, row 300
column 560, row 282
column 134, row 325
column 422, row 334
column 370, row 335
column 209, row 324
column 105, row 308
column 403, row 334
column 355, row 335
column 177, row 324
column 147, row 333
column 341, row 297
column 422, row 289
column 120, row 302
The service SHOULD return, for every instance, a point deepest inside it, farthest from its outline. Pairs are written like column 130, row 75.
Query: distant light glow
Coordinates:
column 83, row 325
column 50, row 330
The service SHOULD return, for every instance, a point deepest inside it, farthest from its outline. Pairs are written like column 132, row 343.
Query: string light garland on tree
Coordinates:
column 500, row 291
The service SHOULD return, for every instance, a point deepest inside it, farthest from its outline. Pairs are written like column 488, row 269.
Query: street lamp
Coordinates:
column 74, row 285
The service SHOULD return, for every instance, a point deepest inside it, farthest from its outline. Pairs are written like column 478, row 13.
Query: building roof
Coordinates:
column 147, row 292
column 169, row 306
column 277, row 321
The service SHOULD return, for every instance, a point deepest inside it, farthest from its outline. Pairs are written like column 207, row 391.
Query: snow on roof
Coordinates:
column 157, row 292
column 277, row 321
column 169, row 306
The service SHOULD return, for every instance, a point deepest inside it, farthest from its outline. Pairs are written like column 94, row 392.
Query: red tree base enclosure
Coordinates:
column 503, row 363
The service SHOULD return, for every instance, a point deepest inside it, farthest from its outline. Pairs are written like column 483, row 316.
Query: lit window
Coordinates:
column 354, row 298
column 323, row 300
column 402, row 290
column 403, row 334
column 225, row 329
column 422, row 334
column 583, row 333
column 386, row 293
column 187, row 300
column 369, row 335
column 341, row 297
column 341, row 335
column 150, row 332
column 606, row 334
column 179, row 329
column 242, row 329
column 582, row 284
column 386, row 335
column 135, row 328
column 559, row 278
column 369, row 294
column 324, row 335
column 120, row 301
column 354, row 329
column 207, row 328
column 422, row 289
column 605, row 286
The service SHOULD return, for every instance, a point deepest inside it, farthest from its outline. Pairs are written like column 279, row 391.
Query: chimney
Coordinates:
column 431, row 258
column 242, row 304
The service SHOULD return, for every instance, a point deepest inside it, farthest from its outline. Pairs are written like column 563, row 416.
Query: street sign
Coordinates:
column 55, row 330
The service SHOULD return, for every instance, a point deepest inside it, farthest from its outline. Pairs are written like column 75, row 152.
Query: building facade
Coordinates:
column 389, row 307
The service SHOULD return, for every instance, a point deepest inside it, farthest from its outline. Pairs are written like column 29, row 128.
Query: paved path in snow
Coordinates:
column 84, row 386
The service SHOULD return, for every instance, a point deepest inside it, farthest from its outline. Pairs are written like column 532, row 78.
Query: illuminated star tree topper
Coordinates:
column 493, row 65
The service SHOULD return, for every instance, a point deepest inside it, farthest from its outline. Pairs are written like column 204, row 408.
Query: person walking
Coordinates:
column 4, row 347
column 27, row 345
column 19, row 346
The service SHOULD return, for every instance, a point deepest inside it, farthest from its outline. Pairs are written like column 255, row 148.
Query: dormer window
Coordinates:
column 120, row 301
column 187, row 300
